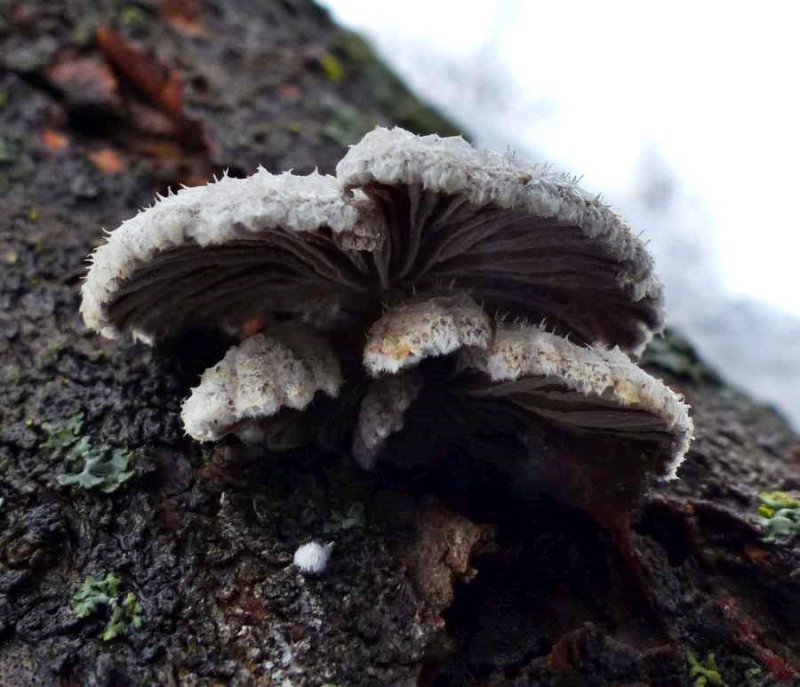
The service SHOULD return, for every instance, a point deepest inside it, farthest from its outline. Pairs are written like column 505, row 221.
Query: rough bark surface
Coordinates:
column 453, row 579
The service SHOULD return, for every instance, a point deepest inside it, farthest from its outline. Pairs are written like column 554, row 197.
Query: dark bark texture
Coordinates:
column 446, row 579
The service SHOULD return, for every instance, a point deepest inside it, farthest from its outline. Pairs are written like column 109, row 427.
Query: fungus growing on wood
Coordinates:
column 587, row 416
column 312, row 558
column 607, row 423
column 216, row 256
column 268, row 373
column 520, row 239
column 583, row 389
column 391, row 285
column 381, row 414
column 409, row 333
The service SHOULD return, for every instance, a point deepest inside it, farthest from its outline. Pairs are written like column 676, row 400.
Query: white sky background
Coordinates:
column 701, row 97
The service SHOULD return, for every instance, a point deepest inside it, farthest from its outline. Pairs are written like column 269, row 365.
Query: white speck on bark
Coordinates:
column 312, row 558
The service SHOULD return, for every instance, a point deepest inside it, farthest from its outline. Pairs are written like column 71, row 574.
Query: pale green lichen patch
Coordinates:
column 94, row 594
column 705, row 673
column 332, row 67
column 100, row 468
column 103, row 469
column 63, row 434
column 126, row 614
column 133, row 16
column 97, row 595
column 779, row 513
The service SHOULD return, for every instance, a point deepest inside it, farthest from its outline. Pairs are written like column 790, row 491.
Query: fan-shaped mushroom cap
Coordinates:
column 225, row 252
column 255, row 380
column 459, row 236
column 520, row 238
column 407, row 334
column 582, row 388
column 381, row 414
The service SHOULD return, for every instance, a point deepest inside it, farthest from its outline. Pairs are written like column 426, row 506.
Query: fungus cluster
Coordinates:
column 427, row 285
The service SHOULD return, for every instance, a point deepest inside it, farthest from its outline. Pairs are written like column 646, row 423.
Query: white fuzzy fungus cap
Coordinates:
column 381, row 414
column 407, row 334
column 452, row 239
column 406, row 214
column 520, row 238
column 284, row 368
column 312, row 558
column 220, row 252
column 584, row 388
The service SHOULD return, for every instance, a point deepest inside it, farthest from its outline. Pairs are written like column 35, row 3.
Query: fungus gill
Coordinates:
column 425, row 274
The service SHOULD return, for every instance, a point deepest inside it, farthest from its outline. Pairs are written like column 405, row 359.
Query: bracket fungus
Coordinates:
column 281, row 370
column 392, row 287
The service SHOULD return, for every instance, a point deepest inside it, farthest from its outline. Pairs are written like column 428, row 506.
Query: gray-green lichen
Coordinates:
column 102, row 595
column 779, row 514
column 705, row 673
column 101, row 468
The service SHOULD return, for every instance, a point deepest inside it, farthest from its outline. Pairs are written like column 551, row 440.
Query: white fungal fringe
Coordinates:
column 452, row 166
column 522, row 352
column 226, row 210
column 255, row 380
column 381, row 414
column 407, row 334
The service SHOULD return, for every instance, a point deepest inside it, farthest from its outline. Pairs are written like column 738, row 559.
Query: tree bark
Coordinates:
column 103, row 104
